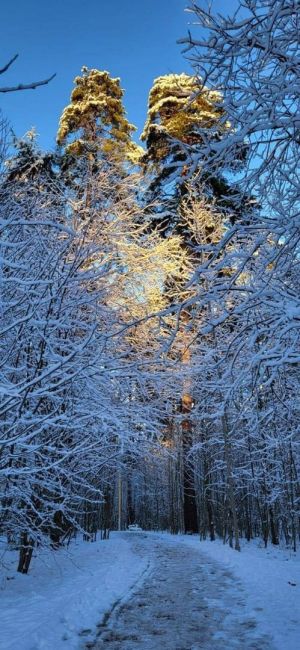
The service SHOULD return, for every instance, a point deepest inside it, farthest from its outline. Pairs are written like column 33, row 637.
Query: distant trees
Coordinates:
column 150, row 320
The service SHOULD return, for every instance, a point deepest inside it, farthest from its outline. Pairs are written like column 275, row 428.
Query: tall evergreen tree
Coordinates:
column 94, row 123
column 94, row 134
column 181, row 116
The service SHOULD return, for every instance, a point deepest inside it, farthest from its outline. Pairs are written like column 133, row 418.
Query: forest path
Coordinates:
column 186, row 602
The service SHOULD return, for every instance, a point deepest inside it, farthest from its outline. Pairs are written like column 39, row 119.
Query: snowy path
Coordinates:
column 187, row 602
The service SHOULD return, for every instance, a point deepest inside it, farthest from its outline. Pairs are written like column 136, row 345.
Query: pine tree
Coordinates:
column 96, row 119
column 181, row 115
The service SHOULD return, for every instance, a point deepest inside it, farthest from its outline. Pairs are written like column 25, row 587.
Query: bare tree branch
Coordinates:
column 30, row 86
column 2, row 70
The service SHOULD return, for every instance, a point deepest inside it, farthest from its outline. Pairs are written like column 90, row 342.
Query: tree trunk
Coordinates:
column 230, row 483
column 189, row 497
column 25, row 553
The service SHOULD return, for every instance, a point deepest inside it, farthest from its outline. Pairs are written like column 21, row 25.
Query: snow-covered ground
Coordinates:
column 64, row 594
column 271, row 581
column 60, row 603
column 271, row 578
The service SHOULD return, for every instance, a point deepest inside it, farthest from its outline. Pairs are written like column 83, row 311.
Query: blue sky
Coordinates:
column 132, row 39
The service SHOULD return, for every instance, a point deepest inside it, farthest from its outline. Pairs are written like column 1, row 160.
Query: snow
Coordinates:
column 271, row 578
column 271, row 581
column 188, row 602
column 67, row 594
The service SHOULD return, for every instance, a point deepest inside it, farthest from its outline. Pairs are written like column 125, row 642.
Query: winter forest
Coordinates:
column 150, row 302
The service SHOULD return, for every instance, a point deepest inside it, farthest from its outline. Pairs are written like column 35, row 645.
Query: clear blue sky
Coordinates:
column 132, row 39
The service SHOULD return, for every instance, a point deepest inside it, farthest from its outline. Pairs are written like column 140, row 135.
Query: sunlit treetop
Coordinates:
column 179, row 108
column 96, row 114
column 182, row 116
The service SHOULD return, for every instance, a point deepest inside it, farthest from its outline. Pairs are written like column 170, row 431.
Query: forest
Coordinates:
column 150, row 303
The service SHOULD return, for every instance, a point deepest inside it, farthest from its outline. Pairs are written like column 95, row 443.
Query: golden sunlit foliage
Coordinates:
column 96, row 110
column 178, row 107
column 204, row 222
